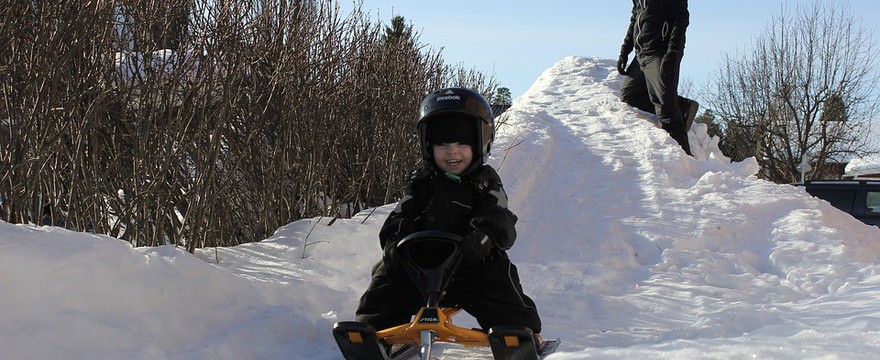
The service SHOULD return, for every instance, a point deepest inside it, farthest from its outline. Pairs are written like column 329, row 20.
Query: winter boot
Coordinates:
column 690, row 112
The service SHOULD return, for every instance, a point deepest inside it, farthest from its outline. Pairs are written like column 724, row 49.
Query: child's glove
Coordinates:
column 390, row 256
column 475, row 247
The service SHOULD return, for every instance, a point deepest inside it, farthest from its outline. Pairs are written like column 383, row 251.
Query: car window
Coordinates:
column 841, row 199
column 873, row 202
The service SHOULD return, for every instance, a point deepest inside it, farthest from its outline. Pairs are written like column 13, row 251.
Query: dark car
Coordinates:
column 859, row 198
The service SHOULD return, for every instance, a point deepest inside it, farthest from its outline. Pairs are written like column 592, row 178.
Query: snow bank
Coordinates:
column 630, row 248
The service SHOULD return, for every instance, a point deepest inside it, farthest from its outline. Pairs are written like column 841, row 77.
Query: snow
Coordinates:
column 863, row 166
column 630, row 248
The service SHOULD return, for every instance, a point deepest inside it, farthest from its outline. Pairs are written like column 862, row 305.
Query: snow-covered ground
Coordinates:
column 630, row 248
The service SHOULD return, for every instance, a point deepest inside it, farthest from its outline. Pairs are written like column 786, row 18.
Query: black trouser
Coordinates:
column 492, row 294
column 649, row 89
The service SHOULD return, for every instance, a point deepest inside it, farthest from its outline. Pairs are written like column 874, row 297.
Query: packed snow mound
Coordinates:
column 630, row 248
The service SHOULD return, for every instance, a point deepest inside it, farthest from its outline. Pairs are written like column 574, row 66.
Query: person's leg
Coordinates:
column 633, row 89
column 662, row 84
column 495, row 297
column 661, row 88
column 390, row 300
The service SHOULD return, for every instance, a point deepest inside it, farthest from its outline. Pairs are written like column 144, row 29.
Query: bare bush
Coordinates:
column 205, row 123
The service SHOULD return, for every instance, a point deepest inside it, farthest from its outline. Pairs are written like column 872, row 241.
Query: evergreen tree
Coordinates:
column 398, row 31
column 502, row 96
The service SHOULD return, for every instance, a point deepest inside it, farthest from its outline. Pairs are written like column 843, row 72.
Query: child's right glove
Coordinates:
column 475, row 247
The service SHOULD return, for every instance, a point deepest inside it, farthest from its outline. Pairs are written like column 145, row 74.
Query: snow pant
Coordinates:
column 491, row 293
column 647, row 87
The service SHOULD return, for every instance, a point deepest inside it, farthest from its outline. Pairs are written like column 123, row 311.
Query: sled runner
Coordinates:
column 433, row 323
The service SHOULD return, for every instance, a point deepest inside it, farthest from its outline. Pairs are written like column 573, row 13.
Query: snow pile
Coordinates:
column 629, row 247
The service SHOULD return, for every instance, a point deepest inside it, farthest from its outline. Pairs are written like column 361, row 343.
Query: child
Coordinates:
column 457, row 192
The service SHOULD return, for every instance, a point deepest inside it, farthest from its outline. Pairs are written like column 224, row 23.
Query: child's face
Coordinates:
column 453, row 158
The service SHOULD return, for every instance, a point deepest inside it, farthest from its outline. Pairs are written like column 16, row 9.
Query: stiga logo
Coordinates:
column 429, row 316
column 449, row 97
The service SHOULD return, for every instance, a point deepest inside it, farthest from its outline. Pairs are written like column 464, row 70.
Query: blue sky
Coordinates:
column 517, row 41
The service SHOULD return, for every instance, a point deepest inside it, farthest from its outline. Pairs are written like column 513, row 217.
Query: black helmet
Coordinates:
column 449, row 105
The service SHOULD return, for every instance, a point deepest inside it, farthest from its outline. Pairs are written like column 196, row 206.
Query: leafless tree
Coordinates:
column 806, row 89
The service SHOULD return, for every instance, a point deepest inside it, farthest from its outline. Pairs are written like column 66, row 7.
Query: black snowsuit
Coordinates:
column 657, row 33
column 489, row 291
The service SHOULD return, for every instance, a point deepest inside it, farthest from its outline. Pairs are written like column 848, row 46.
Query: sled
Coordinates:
column 422, row 256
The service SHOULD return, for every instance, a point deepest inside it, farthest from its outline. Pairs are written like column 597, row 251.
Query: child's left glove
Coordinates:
column 475, row 247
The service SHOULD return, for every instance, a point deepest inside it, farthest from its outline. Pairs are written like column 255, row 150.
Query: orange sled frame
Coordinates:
column 430, row 259
column 438, row 322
